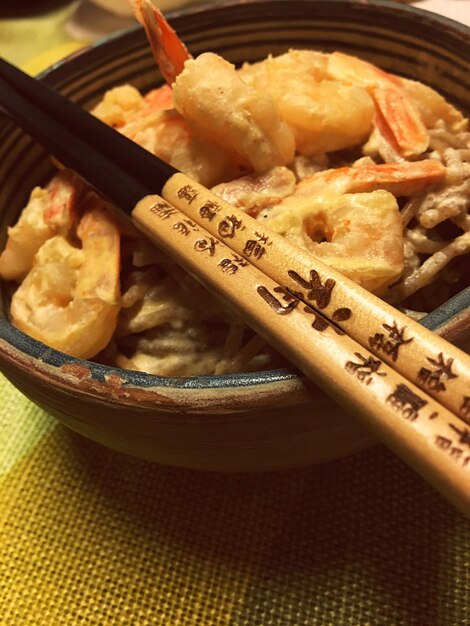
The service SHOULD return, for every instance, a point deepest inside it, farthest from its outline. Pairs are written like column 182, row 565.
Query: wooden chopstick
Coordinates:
column 431, row 363
column 412, row 423
column 434, row 365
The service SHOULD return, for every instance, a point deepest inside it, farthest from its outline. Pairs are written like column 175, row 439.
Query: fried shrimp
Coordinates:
column 153, row 123
column 48, row 211
column 359, row 234
column 432, row 107
column 324, row 115
column 70, row 298
column 397, row 118
column 254, row 192
column 219, row 106
column 350, row 218
column 213, row 98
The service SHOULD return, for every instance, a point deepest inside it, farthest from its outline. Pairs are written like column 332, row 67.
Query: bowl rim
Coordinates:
column 208, row 7
column 36, row 350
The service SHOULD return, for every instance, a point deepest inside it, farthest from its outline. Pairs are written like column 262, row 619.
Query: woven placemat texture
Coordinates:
column 91, row 536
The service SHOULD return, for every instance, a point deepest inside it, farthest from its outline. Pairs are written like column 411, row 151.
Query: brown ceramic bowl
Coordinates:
column 256, row 421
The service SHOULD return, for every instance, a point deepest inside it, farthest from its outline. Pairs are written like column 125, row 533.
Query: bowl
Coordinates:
column 245, row 422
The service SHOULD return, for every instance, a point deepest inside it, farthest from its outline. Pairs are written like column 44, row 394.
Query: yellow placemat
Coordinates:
column 36, row 42
column 89, row 536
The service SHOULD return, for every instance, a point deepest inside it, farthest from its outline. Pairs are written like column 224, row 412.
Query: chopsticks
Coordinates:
column 408, row 384
column 397, row 339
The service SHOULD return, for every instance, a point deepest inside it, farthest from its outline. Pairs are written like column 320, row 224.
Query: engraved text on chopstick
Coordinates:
column 207, row 244
column 185, row 227
column 209, row 210
column 230, row 266
column 320, row 322
column 433, row 378
column 228, row 226
column 406, row 402
column 163, row 210
column 278, row 307
column 446, row 444
column 390, row 342
column 341, row 315
column 465, row 408
column 320, row 293
column 188, row 193
column 464, row 435
column 316, row 290
column 365, row 368
column 256, row 247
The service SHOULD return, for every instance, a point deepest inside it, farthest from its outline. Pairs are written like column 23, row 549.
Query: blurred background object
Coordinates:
column 93, row 19
column 123, row 7
column 34, row 36
column 119, row 7
column 458, row 10
column 29, row 7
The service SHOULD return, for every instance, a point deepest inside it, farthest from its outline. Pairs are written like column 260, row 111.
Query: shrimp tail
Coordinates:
column 397, row 119
column 168, row 50
column 399, row 123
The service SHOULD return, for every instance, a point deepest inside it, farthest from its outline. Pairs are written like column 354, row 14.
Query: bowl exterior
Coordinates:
column 259, row 421
column 240, row 425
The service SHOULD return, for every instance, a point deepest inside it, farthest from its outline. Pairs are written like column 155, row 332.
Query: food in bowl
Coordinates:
column 262, row 420
column 366, row 170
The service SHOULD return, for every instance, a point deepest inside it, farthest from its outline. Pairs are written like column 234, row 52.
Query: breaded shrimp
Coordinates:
column 70, row 298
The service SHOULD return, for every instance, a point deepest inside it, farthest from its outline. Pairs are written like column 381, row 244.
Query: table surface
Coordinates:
column 91, row 536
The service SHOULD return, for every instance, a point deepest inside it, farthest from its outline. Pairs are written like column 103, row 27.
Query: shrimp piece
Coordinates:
column 271, row 73
column 48, row 211
column 327, row 116
column 397, row 119
column 254, row 192
column 65, row 189
column 26, row 237
column 400, row 179
column 159, row 99
column 324, row 115
column 325, row 101
column 168, row 50
column 132, row 114
column 217, row 105
column 123, row 107
column 152, row 122
column 355, row 210
column 70, row 298
column 432, row 107
column 364, row 238
column 167, row 136
column 177, row 144
column 118, row 105
column 210, row 95
column 359, row 234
